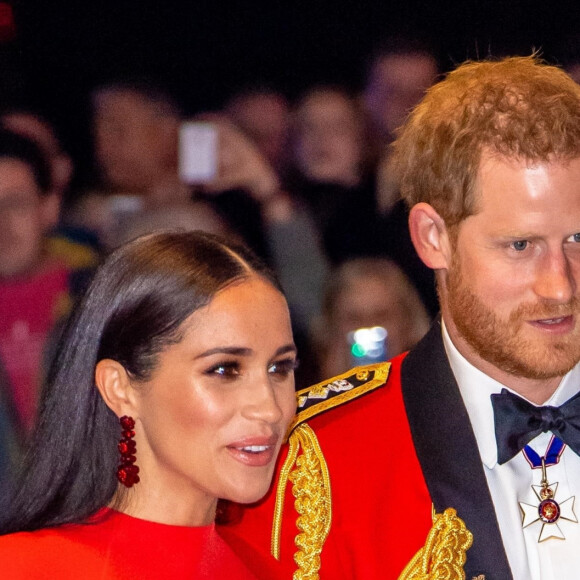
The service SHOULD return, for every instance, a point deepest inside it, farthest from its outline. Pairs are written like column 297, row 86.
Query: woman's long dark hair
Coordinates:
column 132, row 310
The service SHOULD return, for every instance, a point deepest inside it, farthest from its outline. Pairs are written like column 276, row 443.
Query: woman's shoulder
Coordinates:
column 117, row 546
column 49, row 553
column 31, row 541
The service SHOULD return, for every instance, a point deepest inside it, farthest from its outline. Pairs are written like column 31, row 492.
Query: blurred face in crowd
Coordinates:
column 264, row 117
column 510, row 296
column 135, row 142
column 396, row 84
column 212, row 417
column 328, row 138
column 25, row 216
column 363, row 303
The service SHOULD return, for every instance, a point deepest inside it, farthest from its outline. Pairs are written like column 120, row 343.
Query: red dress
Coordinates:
column 118, row 546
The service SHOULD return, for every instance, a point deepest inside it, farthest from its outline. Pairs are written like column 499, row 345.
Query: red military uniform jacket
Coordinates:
column 383, row 455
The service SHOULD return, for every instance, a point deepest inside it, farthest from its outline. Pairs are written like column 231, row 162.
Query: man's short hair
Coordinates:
column 160, row 100
column 517, row 108
column 19, row 148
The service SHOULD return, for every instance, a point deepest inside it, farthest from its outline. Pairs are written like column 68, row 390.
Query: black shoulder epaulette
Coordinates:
column 339, row 390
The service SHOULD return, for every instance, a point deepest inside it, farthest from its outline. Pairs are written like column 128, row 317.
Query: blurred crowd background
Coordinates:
column 303, row 101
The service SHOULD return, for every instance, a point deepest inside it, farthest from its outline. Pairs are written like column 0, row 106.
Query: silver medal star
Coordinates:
column 550, row 529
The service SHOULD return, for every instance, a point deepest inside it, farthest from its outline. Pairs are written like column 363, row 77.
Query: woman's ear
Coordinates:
column 115, row 387
column 430, row 236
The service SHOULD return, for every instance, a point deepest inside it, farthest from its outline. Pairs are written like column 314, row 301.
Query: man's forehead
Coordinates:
column 15, row 165
column 117, row 103
column 539, row 184
column 17, row 181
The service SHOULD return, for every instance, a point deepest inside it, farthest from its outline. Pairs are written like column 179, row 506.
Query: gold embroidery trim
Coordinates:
column 381, row 373
column 377, row 367
column 311, row 488
column 443, row 555
column 293, row 448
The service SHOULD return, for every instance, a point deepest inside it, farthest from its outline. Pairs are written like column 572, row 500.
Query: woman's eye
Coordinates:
column 227, row 370
column 283, row 367
column 575, row 238
column 519, row 245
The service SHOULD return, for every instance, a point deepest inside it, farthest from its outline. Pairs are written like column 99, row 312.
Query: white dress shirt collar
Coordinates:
column 476, row 389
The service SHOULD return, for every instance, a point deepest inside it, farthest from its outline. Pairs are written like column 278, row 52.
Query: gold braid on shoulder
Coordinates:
column 305, row 466
column 443, row 555
column 311, row 488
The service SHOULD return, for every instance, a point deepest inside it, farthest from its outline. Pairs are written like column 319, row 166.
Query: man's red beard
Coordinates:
column 505, row 342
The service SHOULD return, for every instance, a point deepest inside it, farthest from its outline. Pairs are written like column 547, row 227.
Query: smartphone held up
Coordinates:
column 198, row 152
column 367, row 345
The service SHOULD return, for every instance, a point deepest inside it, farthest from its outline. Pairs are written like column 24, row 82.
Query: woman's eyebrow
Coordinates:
column 242, row 351
column 287, row 348
column 235, row 350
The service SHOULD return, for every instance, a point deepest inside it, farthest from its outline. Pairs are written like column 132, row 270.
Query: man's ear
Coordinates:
column 430, row 236
column 50, row 208
column 115, row 387
column 63, row 169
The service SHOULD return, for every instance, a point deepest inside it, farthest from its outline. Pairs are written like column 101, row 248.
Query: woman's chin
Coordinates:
column 252, row 494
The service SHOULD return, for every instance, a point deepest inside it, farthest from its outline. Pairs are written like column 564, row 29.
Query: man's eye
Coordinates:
column 520, row 245
column 575, row 238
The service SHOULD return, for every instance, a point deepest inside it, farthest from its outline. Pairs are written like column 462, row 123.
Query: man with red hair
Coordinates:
column 481, row 421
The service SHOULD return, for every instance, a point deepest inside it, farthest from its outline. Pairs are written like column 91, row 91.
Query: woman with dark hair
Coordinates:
column 173, row 388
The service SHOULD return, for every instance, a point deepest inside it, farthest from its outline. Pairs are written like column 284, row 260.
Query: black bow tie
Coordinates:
column 517, row 422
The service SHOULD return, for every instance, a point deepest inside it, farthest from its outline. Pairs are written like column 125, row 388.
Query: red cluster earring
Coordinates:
column 127, row 472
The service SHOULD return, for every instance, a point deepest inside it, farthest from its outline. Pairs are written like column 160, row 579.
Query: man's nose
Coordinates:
column 555, row 279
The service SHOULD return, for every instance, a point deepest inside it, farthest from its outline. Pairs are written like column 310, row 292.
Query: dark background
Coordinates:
column 202, row 51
